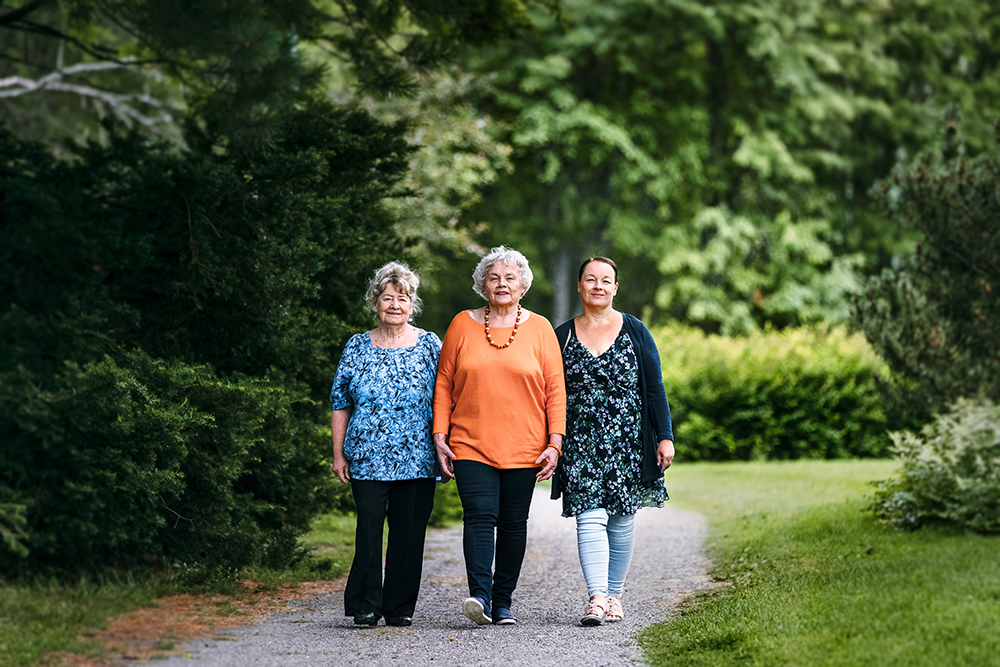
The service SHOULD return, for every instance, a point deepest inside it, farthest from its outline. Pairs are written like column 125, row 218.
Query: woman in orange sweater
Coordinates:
column 499, row 419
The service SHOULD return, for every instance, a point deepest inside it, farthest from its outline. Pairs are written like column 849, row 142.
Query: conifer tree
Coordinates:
column 170, row 315
column 935, row 317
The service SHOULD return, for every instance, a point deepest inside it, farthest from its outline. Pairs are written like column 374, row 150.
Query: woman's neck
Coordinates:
column 593, row 316
column 392, row 332
column 504, row 312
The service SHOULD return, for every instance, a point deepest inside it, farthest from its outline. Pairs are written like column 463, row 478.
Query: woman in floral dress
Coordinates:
column 618, row 435
column 382, row 401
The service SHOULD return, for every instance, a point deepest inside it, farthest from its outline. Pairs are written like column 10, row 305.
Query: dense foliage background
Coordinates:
column 173, row 300
column 722, row 152
column 933, row 317
column 193, row 194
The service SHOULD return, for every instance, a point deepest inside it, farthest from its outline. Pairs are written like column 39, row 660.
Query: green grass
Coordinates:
column 37, row 619
column 818, row 581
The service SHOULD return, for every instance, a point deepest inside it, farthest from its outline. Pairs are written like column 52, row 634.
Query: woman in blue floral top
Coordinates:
column 382, row 401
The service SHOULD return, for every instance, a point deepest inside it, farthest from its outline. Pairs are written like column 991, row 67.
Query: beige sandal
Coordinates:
column 596, row 610
column 615, row 611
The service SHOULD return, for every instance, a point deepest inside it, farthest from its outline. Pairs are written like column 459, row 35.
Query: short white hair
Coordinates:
column 400, row 275
column 501, row 255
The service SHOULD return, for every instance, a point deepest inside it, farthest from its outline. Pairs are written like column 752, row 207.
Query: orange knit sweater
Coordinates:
column 499, row 406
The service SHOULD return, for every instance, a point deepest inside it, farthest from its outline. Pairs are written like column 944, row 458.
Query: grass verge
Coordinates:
column 38, row 620
column 818, row 581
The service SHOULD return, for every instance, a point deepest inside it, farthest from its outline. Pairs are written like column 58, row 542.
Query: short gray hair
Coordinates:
column 399, row 275
column 501, row 255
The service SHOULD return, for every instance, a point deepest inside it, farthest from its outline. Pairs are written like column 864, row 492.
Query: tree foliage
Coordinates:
column 64, row 63
column 456, row 155
column 170, row 311
column 168, row 326
column 719, row 148
column 934, row 316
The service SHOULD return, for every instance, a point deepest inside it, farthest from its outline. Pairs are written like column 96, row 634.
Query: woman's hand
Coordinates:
column 445, row 456
column 341, row 469
column 549, row 458
column 665, row 454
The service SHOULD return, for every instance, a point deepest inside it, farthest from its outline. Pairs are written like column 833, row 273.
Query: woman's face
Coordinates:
column 503, row 285
column 597, row 286
column 393, row 306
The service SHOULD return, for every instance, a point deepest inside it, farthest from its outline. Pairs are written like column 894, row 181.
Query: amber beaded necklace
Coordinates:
column 517, row 322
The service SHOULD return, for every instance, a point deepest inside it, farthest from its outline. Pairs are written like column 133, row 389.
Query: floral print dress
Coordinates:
column 390, row 393
column 601, row 463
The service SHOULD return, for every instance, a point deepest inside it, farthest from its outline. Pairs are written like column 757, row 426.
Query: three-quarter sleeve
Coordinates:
column 340, row 394
column 555, row 384
column 444, row 385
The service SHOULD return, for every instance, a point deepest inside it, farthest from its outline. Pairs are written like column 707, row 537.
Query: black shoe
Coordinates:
column 369, row 618
column 399, row 621
column 502, row 616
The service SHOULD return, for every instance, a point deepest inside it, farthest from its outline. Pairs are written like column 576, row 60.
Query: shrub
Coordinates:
column 950, row 471
column 803, row 393
column 168, row 327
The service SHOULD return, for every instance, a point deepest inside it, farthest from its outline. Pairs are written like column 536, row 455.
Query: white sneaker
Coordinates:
column 475, row 610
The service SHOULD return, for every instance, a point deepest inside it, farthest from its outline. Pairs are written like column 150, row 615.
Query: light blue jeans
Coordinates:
column 605, row 543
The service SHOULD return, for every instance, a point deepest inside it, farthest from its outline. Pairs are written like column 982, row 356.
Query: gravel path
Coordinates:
column 549, row 600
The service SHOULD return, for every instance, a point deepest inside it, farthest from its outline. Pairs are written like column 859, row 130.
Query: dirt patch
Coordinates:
column 157, row 631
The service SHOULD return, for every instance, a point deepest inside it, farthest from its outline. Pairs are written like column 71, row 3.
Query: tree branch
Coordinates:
column 101, row 53
column 14, row 86
column 20, row 12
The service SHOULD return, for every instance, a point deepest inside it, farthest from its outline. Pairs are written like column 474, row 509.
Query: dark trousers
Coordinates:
column 409, row 504
column 494, row 499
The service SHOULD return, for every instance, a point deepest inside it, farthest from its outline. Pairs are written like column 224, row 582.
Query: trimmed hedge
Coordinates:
column 793, row 394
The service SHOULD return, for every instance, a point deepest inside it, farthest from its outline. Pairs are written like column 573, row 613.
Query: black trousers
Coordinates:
column 407, row 503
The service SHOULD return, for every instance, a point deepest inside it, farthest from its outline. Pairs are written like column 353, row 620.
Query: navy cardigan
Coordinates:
column 656, row 425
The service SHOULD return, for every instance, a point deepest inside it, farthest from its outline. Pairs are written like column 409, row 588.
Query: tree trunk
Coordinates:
column 561, row 280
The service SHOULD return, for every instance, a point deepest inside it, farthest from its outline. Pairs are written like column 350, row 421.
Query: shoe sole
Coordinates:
column 590, row 621
column 474, row 610
column 506, row 621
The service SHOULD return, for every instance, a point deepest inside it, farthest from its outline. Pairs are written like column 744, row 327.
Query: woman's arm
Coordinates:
column 555, row 402
column 342, row 402
column 338, row 426
column 656, row 395
column 444, row 386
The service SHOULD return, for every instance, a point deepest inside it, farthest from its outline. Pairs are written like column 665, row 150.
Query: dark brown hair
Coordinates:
column 606, row 260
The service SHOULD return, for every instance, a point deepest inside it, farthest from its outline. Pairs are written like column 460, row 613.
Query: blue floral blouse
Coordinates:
column 391, row 394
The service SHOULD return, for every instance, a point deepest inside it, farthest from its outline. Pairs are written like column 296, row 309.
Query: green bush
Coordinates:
column 794, row 394
column 168, row 329
column 950, row 471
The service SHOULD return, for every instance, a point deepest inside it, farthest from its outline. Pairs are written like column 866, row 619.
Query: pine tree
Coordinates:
column 935, row 317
